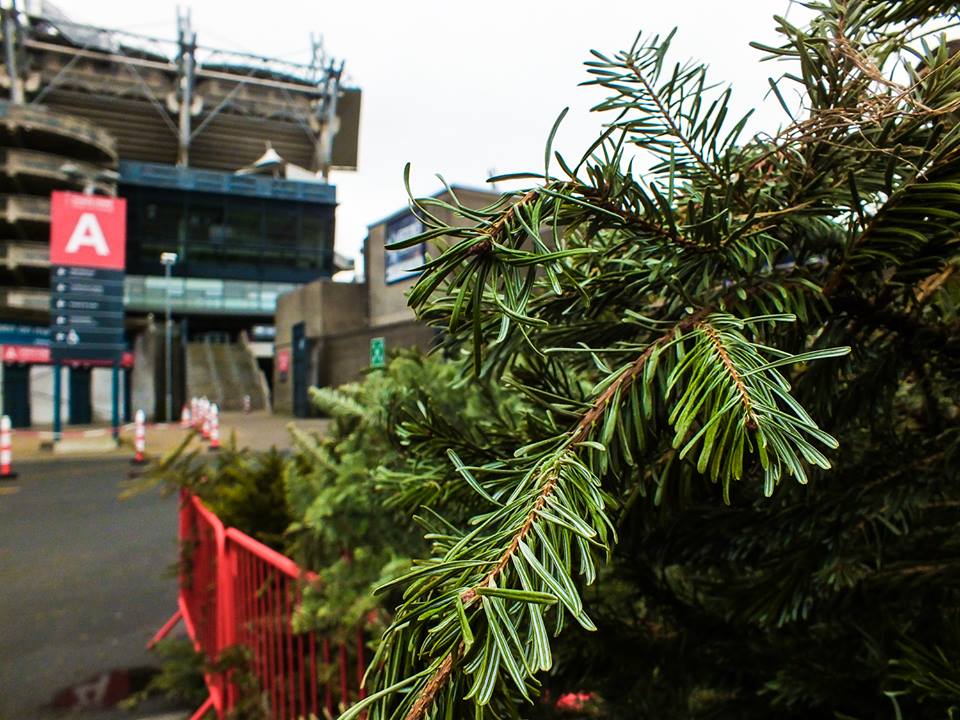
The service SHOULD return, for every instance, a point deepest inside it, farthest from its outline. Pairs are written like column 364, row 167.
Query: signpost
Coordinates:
column 87, row 261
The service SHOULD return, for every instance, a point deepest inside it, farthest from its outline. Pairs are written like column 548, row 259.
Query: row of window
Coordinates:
column 149, row 294
column 226, row 229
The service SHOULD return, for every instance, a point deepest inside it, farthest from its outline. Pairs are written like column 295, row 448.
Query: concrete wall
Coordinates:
column 41, row 394
column 327, row 308
column 101, row 394
column 146, row 348
column 344, row 358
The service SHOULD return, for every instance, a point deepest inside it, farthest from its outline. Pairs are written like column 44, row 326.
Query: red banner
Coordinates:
column 40, row 355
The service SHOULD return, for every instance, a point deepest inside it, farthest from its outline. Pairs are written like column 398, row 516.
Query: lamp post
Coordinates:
column 168, row 260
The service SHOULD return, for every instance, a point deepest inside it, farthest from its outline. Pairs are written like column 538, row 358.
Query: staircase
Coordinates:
column 224, row 373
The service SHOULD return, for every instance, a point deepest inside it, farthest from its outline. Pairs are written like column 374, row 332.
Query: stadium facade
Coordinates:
column 224, row 159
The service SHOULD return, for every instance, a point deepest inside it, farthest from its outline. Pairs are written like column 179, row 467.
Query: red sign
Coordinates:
column 40, row 355
column 26, row 354
column 283, row 361
column 88, row 230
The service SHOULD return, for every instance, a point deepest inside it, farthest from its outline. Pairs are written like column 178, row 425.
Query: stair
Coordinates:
column 224, row 373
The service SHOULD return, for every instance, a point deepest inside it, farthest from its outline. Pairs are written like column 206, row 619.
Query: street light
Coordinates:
column 168, row 260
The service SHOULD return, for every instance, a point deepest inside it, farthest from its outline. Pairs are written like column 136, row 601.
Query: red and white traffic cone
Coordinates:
column 205, row 423
column 6, row 454
column 185, row 417
column 214, row 427
column 139, row 438
column 194, row 412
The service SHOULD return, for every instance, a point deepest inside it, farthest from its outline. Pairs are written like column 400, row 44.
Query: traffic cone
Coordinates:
column 194, row 411
column 185, row 417
column 205, row 423
column 214, row 427
column 6, row 454
column 139, row 439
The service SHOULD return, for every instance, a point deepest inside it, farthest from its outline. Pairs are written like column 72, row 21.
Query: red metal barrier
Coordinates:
column 237, row 591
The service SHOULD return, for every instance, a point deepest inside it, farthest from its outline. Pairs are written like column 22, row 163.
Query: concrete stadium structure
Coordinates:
column 224, row 159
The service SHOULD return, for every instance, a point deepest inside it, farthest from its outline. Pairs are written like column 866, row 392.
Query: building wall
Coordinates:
column 388, row 301
column 344, row 358
column 326, row 308
column 341, row 319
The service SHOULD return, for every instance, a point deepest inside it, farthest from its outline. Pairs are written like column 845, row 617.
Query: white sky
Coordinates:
column 460, row 89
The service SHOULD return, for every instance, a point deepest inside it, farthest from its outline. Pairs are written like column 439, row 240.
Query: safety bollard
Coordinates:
column 214, row 427
column 185, row 417
column 139, row 439
column 6, row 454
column 246, row 404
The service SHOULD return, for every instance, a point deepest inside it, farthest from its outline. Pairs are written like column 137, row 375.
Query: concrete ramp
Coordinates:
column 225, row 372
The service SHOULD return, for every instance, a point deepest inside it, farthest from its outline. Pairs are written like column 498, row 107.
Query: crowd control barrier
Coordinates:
column 235, row 591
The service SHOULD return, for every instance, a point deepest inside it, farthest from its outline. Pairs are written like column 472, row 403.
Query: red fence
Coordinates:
column 235, row 591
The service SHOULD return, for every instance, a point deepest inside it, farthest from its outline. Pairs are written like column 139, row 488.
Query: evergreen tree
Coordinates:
column 732, row 485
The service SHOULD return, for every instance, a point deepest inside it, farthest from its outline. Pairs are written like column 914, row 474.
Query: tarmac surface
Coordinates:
column 257, row 430
column 85, row 577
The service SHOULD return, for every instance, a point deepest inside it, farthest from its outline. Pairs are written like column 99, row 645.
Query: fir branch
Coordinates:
column 550, row 474
column 668, row 119
column 483, row 246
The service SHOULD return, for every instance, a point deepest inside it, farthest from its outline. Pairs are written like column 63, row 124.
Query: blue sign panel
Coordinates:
column 16, row 334
column 402, row 264
column 86, row 313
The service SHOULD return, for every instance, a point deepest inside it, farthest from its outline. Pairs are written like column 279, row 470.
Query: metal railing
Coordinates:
column 235, row 591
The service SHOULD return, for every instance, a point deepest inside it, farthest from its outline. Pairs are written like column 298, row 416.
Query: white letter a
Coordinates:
column 88, row 232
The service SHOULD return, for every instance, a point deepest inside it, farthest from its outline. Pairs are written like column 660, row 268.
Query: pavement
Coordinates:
column 257, row 430
column 84, row 576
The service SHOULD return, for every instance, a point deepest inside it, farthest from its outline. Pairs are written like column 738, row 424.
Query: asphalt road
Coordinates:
column 84, row 579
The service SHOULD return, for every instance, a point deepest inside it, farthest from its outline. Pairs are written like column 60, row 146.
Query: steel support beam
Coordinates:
column 186, row 77
column 11, row 38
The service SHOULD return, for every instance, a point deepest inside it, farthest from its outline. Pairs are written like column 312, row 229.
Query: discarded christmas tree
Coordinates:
column 734, row 486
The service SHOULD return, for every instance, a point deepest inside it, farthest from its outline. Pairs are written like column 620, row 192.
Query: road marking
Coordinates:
column 9, row 490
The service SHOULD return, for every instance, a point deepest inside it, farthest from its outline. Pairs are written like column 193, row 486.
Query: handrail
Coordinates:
column 281, row 562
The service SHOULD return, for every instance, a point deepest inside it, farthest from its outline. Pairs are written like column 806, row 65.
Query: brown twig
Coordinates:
column 711, row 333
column 436, row 681
column 484, row 246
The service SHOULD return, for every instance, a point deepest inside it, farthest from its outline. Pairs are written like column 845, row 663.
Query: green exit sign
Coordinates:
column 378, row 352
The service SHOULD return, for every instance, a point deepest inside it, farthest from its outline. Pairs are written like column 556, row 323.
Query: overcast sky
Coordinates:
column 463, row 88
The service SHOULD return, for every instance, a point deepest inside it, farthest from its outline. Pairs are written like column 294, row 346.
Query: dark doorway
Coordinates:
column 16, row 394
column 300, row 358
